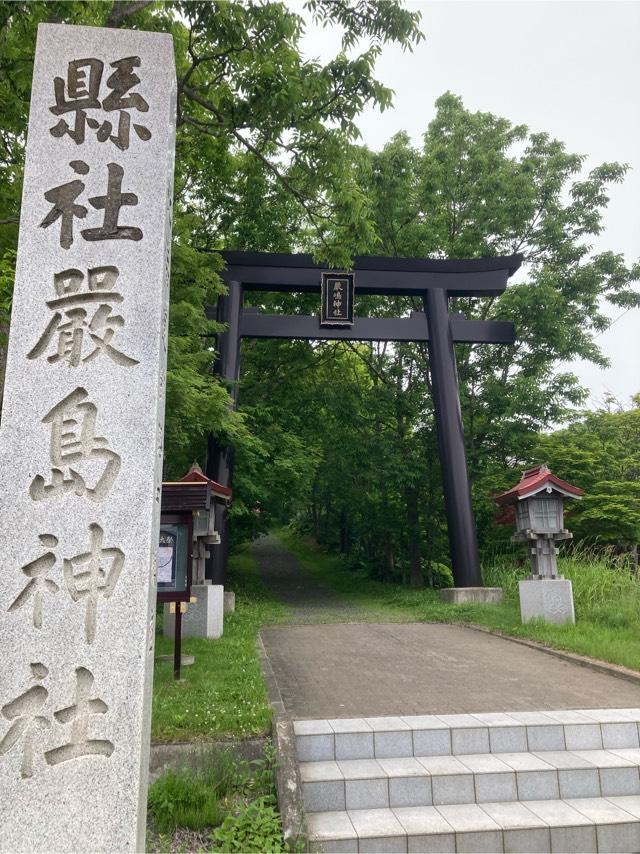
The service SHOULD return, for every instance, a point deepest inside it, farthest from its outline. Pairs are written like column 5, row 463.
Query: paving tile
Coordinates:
column 330, row 825
column 323, row 797
column 629, row 803
column 524, row 761
column 529, row 841
column 630, row 754
column 508, row 739
column 366, row 794
column 607, row 715
column 474, row 842
column 316, row 728
column 579, row 783
column 619, row 837
column 495, row 719
column 360, row 769
column 496, row 787
column 557, row 813
column 354, row 745
column 564, row 759
column 316, row 771
column 383, row 845
column 600, row 810
column 386, row 724
column 424, row 722
column 403, row 766
column 537, row 785
column 574, row 840
column 470, row 740
column 443, row 765
column 334, row 846
column 410, row 792
column 549, row 737
column 619, row 781
column 393, row 743
column 619, row 735
column 569, row 716
column 481, row 763
column 583, row 737
column 610, row 758
column 375, row 823
column 453, row 789
column 459, row 721
column 467, row 818
column 349, row 725
column 422, row 820
column 314, row 748
column 531, row 718
column 436, row 843
column 512, row 816
column 432, row 742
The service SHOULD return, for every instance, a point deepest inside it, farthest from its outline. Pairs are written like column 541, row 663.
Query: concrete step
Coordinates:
column 567, row 825
column 416, row 781
column 441, row 735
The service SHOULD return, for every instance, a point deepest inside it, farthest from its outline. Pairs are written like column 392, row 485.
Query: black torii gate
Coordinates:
column 432, row 280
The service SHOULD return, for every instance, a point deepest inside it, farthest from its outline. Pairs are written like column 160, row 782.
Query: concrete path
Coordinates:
column 372, row 669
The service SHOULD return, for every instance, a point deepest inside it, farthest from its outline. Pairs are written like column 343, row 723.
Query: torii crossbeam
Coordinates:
column 434, row 281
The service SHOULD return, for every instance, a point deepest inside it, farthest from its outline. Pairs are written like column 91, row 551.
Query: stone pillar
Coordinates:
column 81, row 442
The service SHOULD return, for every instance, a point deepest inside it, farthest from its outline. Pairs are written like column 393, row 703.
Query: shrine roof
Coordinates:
column 536, row 480
column 196, row 475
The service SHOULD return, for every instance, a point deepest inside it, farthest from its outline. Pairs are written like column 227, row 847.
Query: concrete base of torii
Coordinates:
column 475, row 595
column 204, row 618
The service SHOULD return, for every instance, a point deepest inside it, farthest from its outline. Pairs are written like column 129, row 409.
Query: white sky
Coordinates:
column 569, row 68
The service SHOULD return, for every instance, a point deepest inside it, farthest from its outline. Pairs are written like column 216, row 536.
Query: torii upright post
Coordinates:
column 463, row 542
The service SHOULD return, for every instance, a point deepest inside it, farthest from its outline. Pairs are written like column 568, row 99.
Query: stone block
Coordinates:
column 619, row 781
column 544, row 738
column 549, row 599
column 431, row 742
column 366, row 794
column 528, row 840
column 453, row 789
column 619, row 735
column 472, row 595
column 410, row 792
column 470, row 740
column 204, row 618
column 479, row 841
column 538, row 785
column 579, row 783
column 508, row 739
column 229, row 602
column 81, row 441
column 583, row 737
column 493, row 788
column 324, row 796
column 315, row 748
column 354, row 745
column 391, row 744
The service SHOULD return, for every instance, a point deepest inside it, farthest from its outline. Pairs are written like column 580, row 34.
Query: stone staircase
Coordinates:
column 560, row 781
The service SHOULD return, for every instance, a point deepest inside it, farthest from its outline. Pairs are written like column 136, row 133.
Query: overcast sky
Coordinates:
column 569, row 68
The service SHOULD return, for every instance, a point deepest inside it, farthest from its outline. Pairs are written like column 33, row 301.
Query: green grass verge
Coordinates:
column 223, row 693
column 220, row 804
column 607, row 601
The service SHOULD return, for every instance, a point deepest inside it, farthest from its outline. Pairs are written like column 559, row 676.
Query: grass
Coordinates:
column 223, row 693
column 221, row 804
column 607, row 601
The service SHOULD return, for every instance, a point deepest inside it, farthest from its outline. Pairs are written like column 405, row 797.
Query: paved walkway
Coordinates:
column 368, row 669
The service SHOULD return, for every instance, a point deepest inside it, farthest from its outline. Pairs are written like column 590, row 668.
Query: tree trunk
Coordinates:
column 413, row 531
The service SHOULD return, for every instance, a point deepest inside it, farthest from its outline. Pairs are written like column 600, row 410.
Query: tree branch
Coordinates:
column 121, row 10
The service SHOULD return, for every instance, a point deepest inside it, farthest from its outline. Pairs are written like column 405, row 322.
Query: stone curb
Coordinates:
column 287, row 774
column 574, row 657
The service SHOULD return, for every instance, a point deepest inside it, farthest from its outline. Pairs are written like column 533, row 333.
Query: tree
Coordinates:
column 260, row 128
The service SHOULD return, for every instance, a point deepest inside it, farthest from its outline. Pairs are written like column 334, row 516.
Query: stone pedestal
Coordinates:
column 472, row 595
column 549, row 599
column 203, row 619
column 229, row 602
